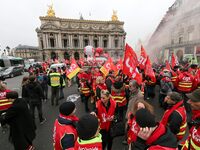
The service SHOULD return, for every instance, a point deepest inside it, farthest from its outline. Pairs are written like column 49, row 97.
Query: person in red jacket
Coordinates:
column 64, row 133
column 105, row 111
column 185, row 82
column 85, row 89
column 119, row 94
column 193, row 141
column 153, row 135
column 89, row 137
column 175, row 116
column 4, row 102
column 132, row 126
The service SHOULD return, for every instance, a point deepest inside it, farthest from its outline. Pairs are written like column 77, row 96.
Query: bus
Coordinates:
column 8, row 61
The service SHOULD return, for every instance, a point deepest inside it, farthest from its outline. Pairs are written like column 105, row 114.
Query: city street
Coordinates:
column 43, row 140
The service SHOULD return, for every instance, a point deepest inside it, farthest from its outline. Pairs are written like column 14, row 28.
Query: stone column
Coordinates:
column 47, row 40
column 44, row 40
column 100, row 41
column 110, row 40
column 81, row 41
column 59, row 41
column 70, row 41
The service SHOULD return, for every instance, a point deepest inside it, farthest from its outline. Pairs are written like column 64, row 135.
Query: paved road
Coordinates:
column 43, row 140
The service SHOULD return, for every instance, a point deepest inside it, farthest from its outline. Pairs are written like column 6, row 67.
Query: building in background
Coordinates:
column 178, row 32
column 27, row 52
column 66, row 38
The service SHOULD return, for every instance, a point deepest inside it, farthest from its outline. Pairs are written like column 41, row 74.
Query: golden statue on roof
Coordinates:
column 114, row 16
column 50, row 12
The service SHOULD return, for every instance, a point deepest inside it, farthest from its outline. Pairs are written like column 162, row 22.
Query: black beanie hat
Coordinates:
column 67, row 108
column 87, row 126
column 118, row 84
column 144, row 118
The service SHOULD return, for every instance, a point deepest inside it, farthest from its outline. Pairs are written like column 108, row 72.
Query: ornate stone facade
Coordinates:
column 64, row 38
column 27, row 52
column 178, row 32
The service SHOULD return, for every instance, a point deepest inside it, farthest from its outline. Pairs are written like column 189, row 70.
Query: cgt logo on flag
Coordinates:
column 107, row 67
column 130, row 64
column 73, row 70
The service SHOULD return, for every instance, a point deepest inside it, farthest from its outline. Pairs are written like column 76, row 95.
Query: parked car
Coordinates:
column 12, row 71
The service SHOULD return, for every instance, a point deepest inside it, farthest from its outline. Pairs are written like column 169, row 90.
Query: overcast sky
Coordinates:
column 20, row 18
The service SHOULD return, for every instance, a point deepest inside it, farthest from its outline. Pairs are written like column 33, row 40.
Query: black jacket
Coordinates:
column 22, row 127
column 34, row 92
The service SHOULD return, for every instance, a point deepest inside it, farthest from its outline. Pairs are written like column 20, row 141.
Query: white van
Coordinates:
column 57, row 65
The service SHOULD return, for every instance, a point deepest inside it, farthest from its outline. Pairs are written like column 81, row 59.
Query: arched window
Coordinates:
column 76, row 43
column 53, row 55
column 76, row 55
column 86, row 42
column 66, row 56
column 52, row 42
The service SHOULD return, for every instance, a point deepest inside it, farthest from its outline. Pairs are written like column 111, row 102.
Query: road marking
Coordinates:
column 73, row 97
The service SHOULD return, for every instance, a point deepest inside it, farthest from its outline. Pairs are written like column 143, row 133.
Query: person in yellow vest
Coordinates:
column 55, row 81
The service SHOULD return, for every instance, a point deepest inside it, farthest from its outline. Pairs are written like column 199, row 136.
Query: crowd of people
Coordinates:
column 115, row 105
column 122, row 107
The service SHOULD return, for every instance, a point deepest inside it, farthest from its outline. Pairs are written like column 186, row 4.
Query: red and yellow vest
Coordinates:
column 85, row 90
column 4, row 102
column 104, row 115
column 181, row 110
column 185, row 82
column 174, row 78
column 120, row 98
column 183, row 127
column 92, row 144
column 193, row 141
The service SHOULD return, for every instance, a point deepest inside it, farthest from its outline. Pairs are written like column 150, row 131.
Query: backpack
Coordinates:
column 40, row 78
column 165, row 87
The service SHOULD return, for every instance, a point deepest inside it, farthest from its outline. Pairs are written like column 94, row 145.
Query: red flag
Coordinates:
column 143, row 58
column 107, row 66
column 149, row 70
column 73, row 70
column 167, row 65
column 130, row 64
column 174, row 61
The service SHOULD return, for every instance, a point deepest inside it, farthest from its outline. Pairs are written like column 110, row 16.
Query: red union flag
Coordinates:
column 149, row 70
column 130, row 64
column 174, row 61
column 107, row 66
column 143, row 58
column 73, row 70
column 167, row 65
